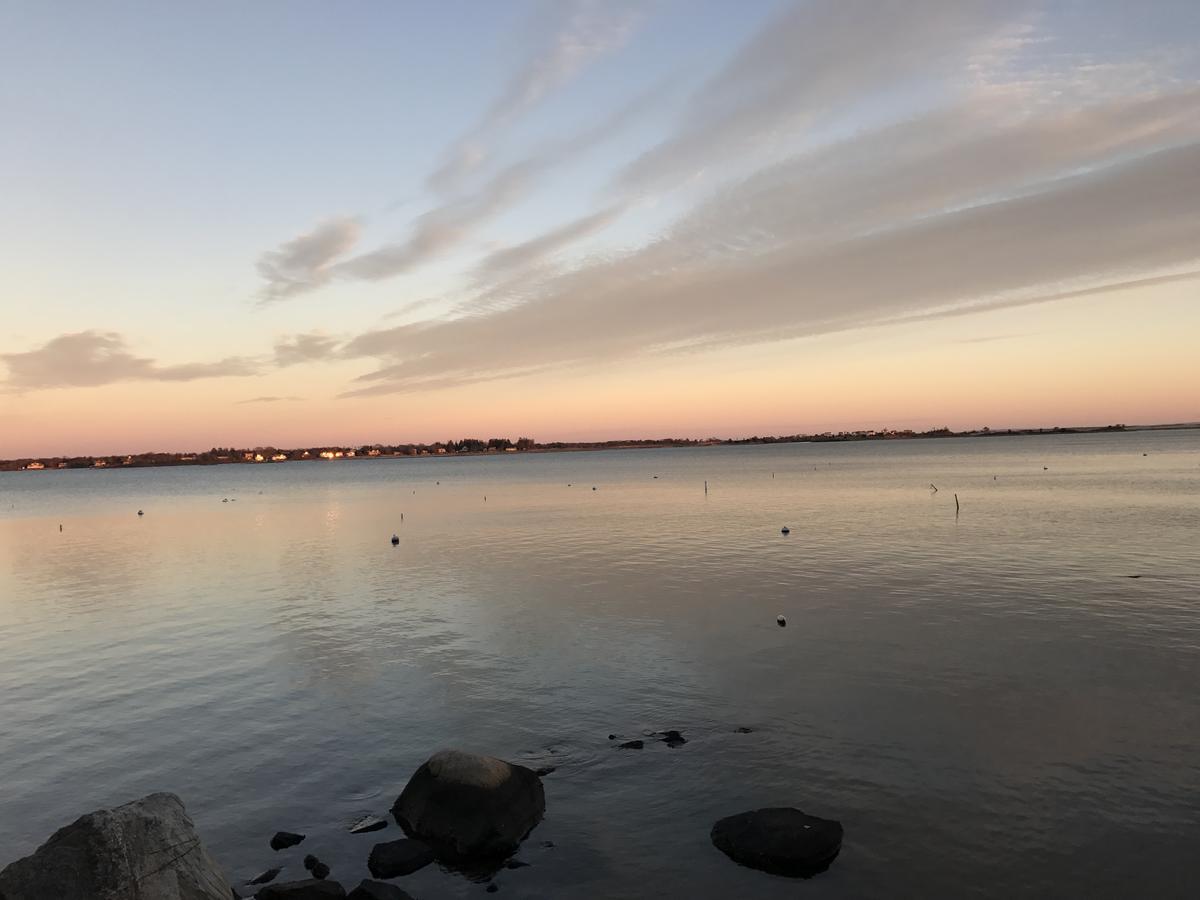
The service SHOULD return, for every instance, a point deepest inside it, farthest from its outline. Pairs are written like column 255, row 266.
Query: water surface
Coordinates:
column 991, row 703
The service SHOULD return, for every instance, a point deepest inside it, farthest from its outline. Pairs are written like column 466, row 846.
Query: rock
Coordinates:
column 742, row 729
column 266, row 876
column 781, row 620
column 312, row 889
column 780, row 840
column 378, row 890
column 470, row 807
column 631, row 745
column 367, row 824
column 545, row 770
column 146, row 849
column 548, row 845
column 493, row 887
column 673, row 738
column 310, row 861
column 285, row 839
column 396, row 858
column 320, row 870
column 516, row 864
column 612, row 737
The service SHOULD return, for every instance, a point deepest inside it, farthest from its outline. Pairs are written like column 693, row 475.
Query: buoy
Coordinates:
column 593, row 487
column 395, row 539
column 781, row 621
column 785, row 530
column 140, row 513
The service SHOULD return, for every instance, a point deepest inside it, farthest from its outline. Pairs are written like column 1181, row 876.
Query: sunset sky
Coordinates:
column 296, row 223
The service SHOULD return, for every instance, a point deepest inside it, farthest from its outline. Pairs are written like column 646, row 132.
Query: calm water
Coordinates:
column 989, row 703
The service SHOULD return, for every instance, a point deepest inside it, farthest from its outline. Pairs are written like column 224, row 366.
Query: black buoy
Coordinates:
column 785, row 530
column 781, row 621
column 395, row 540
column 140, row 513
column 593, row 487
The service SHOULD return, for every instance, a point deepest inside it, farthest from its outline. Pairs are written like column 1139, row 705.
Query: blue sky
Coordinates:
column 476, row 202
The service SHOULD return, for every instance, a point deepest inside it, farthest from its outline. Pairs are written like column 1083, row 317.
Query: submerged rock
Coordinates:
column 312, row 889
column 367, row 824
column 378, row 890
column 673, row 738
column 320, row 870
column 631, row 745
column 742, row 729
column 310, row 861
column 396, row 858
column 146, row 849
column 285, row 839
column 780, row 840
column 266, row 876
column 470, row 807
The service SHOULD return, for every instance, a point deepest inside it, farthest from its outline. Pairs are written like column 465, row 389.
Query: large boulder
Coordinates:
column 377, row 890
column 780, row 840
column 147, row 849
column 470, row 807
column 396, row 858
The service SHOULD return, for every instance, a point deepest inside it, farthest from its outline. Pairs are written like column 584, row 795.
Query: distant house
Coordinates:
column 373, row 452
column 279, row 457
column 441, row 449
column 100, row 463
column 258, row 457
column 328, row 454
column 35, row 465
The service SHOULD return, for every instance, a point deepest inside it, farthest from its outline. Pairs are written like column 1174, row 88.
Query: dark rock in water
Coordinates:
column 285, row 839
column 780, row 840
column 320, row 870
column 612, row 737
column 367, row 824
column 742, row 729
column 544, row 771
column 378, row 890
column 312, row 889
column 266, row 876
column 548, row 845
column 147, row 849
column 310, row 861
column 470, row 807
column 516, row 864
column 396, row 858
column 631, row 745
column 673, row 738
column 493, row 887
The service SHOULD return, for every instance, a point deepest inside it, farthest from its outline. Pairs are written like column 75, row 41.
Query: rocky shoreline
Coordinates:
column 470, row 813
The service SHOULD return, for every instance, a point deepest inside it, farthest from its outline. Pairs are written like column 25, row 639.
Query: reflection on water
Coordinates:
column 990, row 704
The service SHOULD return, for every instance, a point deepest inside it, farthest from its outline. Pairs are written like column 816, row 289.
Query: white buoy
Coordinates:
column 781, row 621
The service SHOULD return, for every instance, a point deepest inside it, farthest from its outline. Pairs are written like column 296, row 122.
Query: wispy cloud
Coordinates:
column 269, row 400
column 305, row 262
column 305, row 347
column 815, row 59
column 505, row 261
column 816, row 247
column 569, row 35
column 93, row 358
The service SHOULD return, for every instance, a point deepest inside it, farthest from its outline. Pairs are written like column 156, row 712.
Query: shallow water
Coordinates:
column 989, row 702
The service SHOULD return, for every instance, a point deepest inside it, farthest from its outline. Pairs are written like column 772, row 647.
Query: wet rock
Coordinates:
column 742, row 729
column 310, row 861
column 470, row 807
column 548, row 845
column 493, row 887
column 612, row 737
column 631, row 745
column 367, row 824
column 285, row 839
column 544, row 771
column 320, row 870
column 266, row 876
column 780, row 840
column 516, row 864
column 396, row 858
column 673, row 738
column 312, row 889
column 378, row 890
column 147, row 848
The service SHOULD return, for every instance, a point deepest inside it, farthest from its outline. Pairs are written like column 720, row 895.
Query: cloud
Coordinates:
column 92, row 358
column 815, row 59
column 509, row 259
column 268, row 400
column 306, row 347
column 447, row 225
column 571, row 35
column 305, row 262
column 1048, row 220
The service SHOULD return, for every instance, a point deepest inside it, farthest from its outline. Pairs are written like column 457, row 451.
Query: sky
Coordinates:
column 302, row 223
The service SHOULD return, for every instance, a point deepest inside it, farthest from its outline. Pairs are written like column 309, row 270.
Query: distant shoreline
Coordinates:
column 503, row 446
